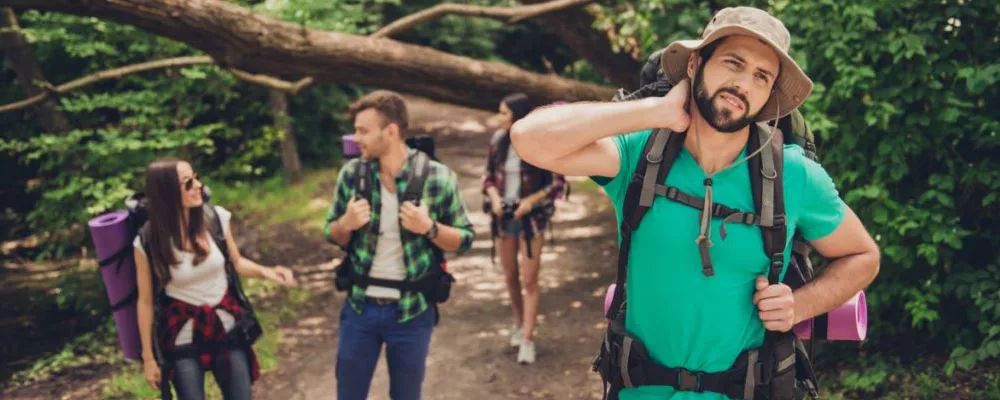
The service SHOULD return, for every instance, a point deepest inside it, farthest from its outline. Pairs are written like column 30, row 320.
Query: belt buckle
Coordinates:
column 688, row 381
column 382, row 302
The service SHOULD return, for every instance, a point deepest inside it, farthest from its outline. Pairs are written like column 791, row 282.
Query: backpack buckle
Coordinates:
column 689, row 381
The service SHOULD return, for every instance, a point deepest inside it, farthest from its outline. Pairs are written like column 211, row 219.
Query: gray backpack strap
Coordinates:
column 769, row 174
column 653, row 159
column 415, row 186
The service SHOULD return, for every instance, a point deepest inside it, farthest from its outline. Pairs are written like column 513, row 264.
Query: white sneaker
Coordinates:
column 526, row 355
column 516, row 336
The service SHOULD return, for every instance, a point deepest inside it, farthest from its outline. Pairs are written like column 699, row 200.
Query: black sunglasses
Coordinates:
column 189, row 183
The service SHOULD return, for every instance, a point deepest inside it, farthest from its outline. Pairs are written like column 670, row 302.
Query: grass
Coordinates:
column 272, row 201
column 281, row 307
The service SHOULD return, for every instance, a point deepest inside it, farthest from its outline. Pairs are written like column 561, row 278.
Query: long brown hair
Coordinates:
column 163, row 193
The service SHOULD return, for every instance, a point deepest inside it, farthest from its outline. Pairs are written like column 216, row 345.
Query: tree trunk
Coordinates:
column 236, row 37
column 575, row 28
column 29, row 73
column 290, row 164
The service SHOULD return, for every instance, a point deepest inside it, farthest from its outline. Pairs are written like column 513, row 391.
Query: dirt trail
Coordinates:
column 469, row 356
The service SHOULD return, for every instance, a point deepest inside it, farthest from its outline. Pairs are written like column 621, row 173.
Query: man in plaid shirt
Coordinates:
column 390, row 239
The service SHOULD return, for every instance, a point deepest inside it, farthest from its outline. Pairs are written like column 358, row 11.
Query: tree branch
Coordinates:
column 292, row 88
column 116, row 73
column 510, row 15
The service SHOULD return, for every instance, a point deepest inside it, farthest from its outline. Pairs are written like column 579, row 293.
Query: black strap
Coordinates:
column 421, row 285
column 120, row 256
column 217, row 232
column 728, row 382
column 126, row 301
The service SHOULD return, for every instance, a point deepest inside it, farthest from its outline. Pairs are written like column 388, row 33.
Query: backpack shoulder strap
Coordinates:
column 766, row 173
column 215, row 229
column 421, row 169
column 364, row 175
column 144, row 234
column 217, row 232
column 659, row 153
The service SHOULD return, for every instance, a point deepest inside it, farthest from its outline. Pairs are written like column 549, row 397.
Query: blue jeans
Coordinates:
column 232, row 373
column 360, row 345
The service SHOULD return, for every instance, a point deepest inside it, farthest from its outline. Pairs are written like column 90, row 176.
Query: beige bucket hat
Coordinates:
column 792, row 87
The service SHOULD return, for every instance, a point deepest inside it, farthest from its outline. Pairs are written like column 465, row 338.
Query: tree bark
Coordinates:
column 575, row 28
column 290, row 164
column 29, row 73
column 237, row 37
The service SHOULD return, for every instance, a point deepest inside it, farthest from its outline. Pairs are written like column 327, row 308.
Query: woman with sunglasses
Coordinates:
column 189, row 300
column 520, row 199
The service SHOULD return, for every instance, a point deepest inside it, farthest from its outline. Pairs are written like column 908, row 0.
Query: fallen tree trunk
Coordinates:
column 236, row 37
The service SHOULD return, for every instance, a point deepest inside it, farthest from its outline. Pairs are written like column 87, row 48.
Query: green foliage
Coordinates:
column 909, row 101
column 904, row 109
column 360, row 17
column 201, row 114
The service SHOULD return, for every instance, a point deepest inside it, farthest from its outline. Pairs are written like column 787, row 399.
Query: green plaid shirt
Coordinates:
column 445, row 206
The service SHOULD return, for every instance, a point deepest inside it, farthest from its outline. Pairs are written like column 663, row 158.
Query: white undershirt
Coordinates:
column 388, row 260
column 512, row 176
column 202, row 284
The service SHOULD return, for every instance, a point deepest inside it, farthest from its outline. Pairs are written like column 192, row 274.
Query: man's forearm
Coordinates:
column 556, row 131
column 339, row 234
column 448, row 238
column 838, row 282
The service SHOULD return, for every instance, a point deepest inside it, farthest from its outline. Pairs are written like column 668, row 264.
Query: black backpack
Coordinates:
column 424, row 143
column 781, row 367
column 436, row 283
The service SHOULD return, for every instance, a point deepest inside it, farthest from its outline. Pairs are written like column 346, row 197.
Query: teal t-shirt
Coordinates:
column 684, row 318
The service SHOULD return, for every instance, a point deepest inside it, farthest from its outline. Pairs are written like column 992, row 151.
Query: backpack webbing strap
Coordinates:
column 768, row 191
column 217, row 232
column 415, row 187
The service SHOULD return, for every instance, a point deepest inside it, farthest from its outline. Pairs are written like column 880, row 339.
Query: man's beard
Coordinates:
column 720, row 119
column 374, row 149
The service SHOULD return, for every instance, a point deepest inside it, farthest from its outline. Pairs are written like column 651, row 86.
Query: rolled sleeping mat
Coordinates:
column 608, row 297
column 849, row 322
column 112, row 238
column 350, row 146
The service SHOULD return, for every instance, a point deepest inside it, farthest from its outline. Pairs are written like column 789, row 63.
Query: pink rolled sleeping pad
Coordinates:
column 350, row 146
column 110, row 233
column 608, row 296
column 847, row 322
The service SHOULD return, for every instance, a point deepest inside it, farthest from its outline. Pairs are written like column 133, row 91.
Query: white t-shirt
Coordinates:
column 512, row 176
column 202, row 284
column 388, row 260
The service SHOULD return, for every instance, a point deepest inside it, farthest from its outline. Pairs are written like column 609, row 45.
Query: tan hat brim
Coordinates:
column 790, row 90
